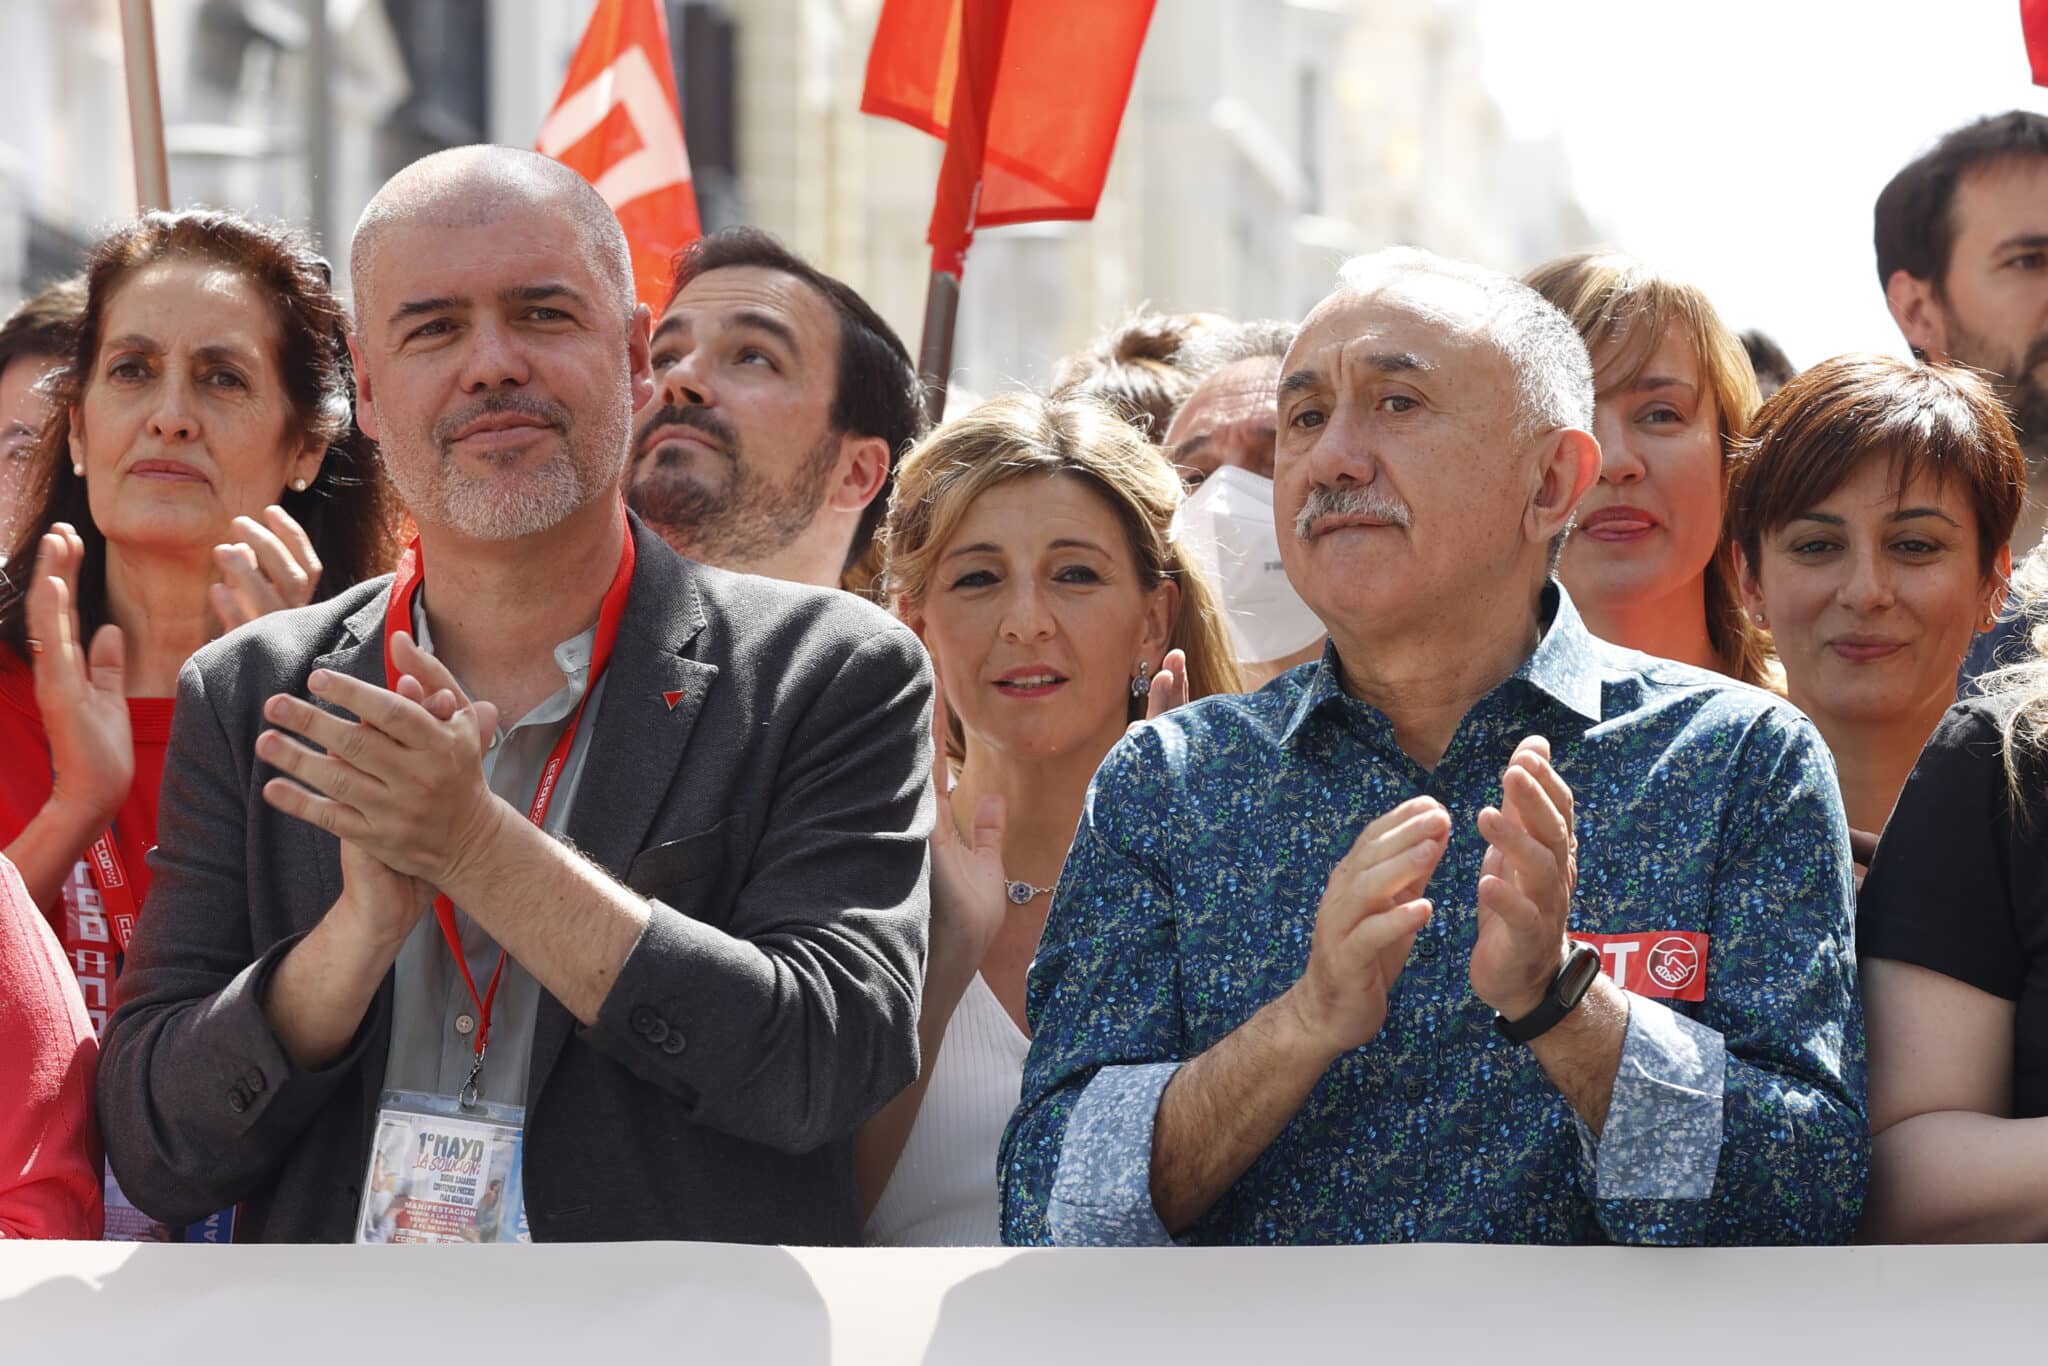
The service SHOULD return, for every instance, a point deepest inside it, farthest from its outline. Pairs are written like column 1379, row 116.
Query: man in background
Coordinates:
column 1962, row 253
column 781, row 403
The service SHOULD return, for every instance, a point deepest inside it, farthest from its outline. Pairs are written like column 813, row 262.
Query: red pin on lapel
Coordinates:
column 672, row 698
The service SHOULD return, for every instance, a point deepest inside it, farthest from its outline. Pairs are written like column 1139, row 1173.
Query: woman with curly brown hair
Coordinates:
column 201, row 467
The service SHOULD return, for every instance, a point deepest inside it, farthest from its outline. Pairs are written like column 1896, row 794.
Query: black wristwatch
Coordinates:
column 1567, row 989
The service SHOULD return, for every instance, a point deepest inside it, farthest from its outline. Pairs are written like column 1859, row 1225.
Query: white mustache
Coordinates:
column 1366, row 501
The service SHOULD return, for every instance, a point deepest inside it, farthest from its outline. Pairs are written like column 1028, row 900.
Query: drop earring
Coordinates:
column 1141, row 681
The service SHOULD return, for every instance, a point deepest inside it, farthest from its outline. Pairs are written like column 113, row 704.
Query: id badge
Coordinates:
column 441, row 1172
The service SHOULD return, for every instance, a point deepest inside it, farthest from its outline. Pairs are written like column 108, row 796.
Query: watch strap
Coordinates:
column 1558, row 1002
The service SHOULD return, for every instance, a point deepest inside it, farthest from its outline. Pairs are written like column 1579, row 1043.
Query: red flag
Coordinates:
column 2034, row 23
column 618, row 125
column 1027, row 96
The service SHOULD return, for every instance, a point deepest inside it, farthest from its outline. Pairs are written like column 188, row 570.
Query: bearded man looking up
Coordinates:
column 675, row 818
column 781, row 402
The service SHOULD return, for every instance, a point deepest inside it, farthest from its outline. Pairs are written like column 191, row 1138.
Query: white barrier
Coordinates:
column 597, row 1305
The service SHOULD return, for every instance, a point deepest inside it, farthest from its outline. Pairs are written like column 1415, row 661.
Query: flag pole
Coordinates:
column 145, row 106
column 935, row 351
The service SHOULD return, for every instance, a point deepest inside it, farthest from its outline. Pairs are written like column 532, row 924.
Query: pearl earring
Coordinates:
column 78, row 468
column 299, row 485
column 1141, row 681
column 1760, row 619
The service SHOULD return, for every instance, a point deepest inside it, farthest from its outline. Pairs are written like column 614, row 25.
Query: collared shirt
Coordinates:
column 1704, row 807
column 433, row 1019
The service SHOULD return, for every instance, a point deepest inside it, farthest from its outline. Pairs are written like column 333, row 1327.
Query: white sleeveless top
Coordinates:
column 943, row 1191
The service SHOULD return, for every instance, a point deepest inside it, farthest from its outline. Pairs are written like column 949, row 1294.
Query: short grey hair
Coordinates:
column 1260, row 339
column 466, row 186
column 1553, row 373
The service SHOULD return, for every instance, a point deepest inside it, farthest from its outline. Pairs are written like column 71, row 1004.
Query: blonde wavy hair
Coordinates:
column 1614, row 299
column 1021, row 434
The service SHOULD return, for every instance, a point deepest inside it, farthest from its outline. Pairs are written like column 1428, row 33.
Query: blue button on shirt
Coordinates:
column 1189, row 899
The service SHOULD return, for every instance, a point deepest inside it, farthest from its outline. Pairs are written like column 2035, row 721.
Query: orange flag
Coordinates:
column 618, row 125
column 2034, row 26
column 1027, row 95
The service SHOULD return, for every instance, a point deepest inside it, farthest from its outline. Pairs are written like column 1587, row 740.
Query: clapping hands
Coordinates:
column 80, row 688
column 270, row 566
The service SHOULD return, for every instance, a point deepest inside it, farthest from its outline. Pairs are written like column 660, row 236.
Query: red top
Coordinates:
column 49, row 1146
column 87, row 939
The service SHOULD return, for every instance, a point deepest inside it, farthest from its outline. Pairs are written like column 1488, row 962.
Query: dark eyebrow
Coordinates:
column 1386, row 362
column 1908, row 514
column 674, row 323
column 1902, row 515
column 413, row 308
column 220, row 352
column 540, row 293
column 134, row 341
column 1193, row 445
column 2032, row 241
column 1301, row 381
column 769, row 323
column 1397, row 362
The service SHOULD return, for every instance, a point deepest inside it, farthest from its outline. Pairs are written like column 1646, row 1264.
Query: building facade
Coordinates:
column 1264, row 141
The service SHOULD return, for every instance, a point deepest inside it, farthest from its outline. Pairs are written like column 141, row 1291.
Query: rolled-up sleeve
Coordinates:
column 1662, row 1139
column 1102, row 1185
column 1746, row 1121
column 1104, row 1006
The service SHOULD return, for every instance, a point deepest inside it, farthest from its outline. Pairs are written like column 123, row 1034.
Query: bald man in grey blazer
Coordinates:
column 713, row 946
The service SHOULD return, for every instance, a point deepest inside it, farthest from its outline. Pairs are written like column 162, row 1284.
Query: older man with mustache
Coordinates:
column 1477, row 929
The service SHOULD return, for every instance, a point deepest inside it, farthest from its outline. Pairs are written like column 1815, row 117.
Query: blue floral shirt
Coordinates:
column 1711, row 840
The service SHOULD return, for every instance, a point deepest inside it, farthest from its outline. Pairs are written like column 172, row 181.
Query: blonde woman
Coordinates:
column 1031, row 544
column 1648, row 565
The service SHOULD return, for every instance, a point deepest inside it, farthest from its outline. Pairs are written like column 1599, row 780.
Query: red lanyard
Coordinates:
column 398, row 617
column 117, row 893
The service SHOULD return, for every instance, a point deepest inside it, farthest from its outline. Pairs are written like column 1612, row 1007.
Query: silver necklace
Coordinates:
column 1021, row 892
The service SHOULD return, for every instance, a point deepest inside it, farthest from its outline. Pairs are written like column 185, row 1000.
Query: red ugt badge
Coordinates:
column 1671, row 964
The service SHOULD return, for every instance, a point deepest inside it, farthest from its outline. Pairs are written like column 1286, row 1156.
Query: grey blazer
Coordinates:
column 776, row 816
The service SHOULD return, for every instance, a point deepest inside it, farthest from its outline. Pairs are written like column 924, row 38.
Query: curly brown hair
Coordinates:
column 350, row 511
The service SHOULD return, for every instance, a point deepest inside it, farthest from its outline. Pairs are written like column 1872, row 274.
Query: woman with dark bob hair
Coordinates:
column 1871, row 517
column 200, row 467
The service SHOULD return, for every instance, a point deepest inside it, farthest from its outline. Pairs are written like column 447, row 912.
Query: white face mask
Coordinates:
column 1227, row 527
